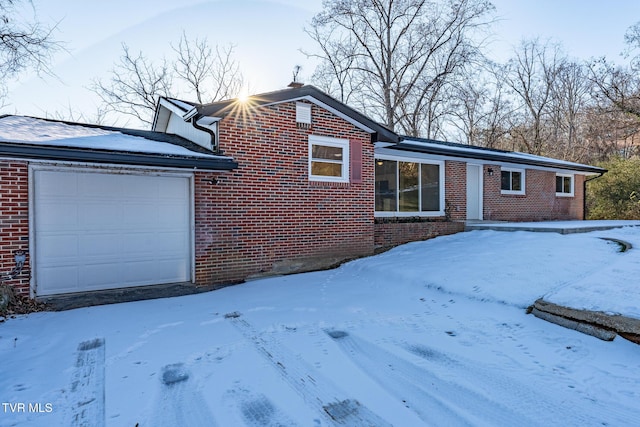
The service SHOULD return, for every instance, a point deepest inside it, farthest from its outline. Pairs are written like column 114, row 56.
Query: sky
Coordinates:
column 268, row 36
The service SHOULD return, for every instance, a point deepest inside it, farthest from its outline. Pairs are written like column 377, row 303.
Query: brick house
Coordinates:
column 287, row 181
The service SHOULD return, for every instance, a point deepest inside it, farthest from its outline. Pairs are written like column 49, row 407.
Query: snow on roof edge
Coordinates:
column 516, row 155
column 50, row 133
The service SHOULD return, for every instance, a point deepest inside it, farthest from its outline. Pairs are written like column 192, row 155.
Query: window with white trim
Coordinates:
column 564, row 185
column 328, row 159
column 408, row 188
column 512, row 181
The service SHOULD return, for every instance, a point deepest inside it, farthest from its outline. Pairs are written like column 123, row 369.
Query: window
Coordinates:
column 564, row 185
column 512, row 181
column 386, row 186
column 328, row 159
column 408, row 188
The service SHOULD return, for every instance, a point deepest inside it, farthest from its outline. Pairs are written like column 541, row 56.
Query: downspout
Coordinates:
column 194, row 123
column 584, row 194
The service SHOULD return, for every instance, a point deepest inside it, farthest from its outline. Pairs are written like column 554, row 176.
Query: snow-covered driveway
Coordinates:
column 430, row 333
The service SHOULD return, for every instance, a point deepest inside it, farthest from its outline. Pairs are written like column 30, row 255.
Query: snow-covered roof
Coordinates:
column 30, row 136
column 490, row 154
column 31, row 130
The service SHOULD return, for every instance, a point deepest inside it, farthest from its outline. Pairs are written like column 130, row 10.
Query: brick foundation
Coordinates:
column 391, row 233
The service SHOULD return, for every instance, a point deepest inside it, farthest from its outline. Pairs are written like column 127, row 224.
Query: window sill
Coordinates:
column 512, row 193
column 565, row 195
column 408, row 214
column 329, row 184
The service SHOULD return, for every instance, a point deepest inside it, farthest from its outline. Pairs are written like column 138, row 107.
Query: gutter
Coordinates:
column 212, row 134
column 584, row 193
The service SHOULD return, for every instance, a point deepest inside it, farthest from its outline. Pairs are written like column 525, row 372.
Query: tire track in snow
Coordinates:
column 180, row 403
column 258, row 411
column 87, row 388
column 503, row 389
column 435, row 400
column 318, row 392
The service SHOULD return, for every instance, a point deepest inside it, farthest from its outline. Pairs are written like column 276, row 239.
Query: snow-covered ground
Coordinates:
column 429, row 333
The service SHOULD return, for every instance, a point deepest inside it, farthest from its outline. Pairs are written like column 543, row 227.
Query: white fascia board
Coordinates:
column 173, row 107
column 562, row 164
column 388, row 153
column 326, row 107
column 208, row 120
column 189, row 114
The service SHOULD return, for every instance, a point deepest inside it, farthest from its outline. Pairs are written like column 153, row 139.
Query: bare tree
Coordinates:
column 137, row 82
column 23, row 44
column 531, row 75
column 632, row 40
column 616, row 87
column 135, row 85
column 338, row 53
column 211, row 73
column 482, row 108
column 571, row 93
column 401, row 54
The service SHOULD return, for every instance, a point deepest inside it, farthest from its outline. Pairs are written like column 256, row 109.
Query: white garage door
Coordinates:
column 106, row 230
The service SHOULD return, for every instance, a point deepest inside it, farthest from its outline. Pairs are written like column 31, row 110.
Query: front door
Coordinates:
column 474, row 192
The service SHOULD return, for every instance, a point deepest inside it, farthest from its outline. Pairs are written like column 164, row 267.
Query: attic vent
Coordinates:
column 303, row 115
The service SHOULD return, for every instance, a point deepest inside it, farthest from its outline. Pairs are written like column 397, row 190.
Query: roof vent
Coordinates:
column 303, row 115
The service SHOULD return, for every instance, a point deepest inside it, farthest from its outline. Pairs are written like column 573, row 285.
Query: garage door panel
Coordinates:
column 111, row 231
column 59, row 279
column 55, row 185
column 55, row 248
column 145, row 271
column 174, row 190
column 102, row 215
column 56, row 215
column 140, row 216
column 107, row 186
column 98, row 245
column 141, row 245
column 175, row 242
column 171, row 214
column 99, row 276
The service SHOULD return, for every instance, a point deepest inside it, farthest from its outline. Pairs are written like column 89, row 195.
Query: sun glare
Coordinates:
column 243, row 98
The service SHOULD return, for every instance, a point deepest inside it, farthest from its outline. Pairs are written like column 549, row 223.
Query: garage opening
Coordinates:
column 98, row 230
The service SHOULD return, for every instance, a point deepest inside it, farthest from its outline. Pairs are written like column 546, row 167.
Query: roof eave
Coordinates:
column 498, row 157
column 379, row 132
column 27, row 151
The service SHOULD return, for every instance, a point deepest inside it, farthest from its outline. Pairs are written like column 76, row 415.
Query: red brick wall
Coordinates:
column 539, row 203
column 14, row 221
column 456, row 189
column 266, row 217
column 391, row 233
